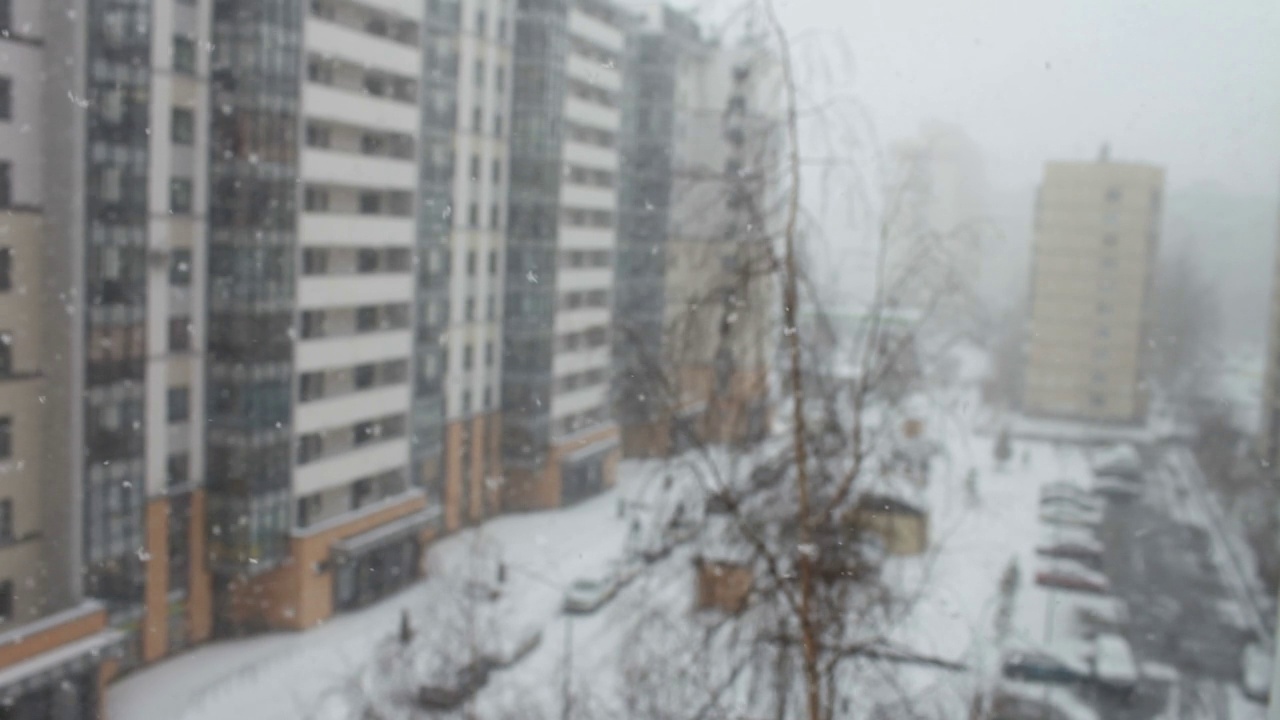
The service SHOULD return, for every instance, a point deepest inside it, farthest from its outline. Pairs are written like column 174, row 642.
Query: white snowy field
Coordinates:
column 292, row 676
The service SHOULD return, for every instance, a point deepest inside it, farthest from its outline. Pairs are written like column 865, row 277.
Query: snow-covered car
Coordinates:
column 587, row 594
column 626, row 568
column 1255, row 672
column 1070, row 516
column 1071, row 575
column 1113, row 666
column 1117, row 488
column 1073, row 549
column 1118, row 461
column 1063, row 488
column 451, row 691
column 1044, row 666
column 1087, row 503
column 513, row 643
column 1103, row 615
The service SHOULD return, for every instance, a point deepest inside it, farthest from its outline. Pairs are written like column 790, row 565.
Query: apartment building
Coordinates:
column 693, row 289
column 321, row 504
column 559, row 443
column 56, row 647
column 481, row 55
column 1097, row 230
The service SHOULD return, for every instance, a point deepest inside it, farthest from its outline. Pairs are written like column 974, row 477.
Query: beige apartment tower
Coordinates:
column 1097, row 227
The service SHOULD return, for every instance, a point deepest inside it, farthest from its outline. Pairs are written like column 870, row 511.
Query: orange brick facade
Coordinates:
column 469, row 499
column 198, row 607
column 542, row 489
column 299, row 593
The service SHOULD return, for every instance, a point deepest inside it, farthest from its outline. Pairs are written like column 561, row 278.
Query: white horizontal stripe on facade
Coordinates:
column 350, row 408
column 592, row 72
column 583, row 112
column 590, row 156
column 575, row 361
column 340, row 352
column 342, row 230
column 346, row 467
column 596, row 31
column 325, row 291
column 348, row 169
column 576, row 401
column 585, row 197
column 321, row 102
column 361, row 48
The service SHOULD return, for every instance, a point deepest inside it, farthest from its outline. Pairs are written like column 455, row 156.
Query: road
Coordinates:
column 1161, row 561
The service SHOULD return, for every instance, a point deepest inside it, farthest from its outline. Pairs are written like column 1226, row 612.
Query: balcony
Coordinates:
column 325, row 291
column 362, row 48
column 587, row 197
column 350, row 107
column 347, row 169
column 349, row 408
column 591, row 113
column 593, row 73
column 349, row 350
column 590, row 156
column 342, row 469
column 596, row 31
column 355, row 230
column 586, row 238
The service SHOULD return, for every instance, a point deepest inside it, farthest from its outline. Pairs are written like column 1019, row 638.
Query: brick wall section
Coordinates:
column 34, row 644
column 200, row 597
column 298, row 595
column 155, row 619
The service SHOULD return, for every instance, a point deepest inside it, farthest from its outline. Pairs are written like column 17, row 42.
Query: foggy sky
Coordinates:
column 1190, row 85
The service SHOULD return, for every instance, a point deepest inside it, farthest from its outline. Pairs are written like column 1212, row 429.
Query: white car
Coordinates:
column 1255, row 675
column 1061, row 515
column 1113, row 665
column 587, row 594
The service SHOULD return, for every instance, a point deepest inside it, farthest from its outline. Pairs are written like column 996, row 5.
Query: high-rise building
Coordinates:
column 313, row 231
column 482, row 58
column 692, row 300
column 56, row 647
column 1097, row 229
column 559, row 442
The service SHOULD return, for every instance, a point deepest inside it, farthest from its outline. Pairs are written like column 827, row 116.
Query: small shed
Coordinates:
column 723, row 566
column 903, row 525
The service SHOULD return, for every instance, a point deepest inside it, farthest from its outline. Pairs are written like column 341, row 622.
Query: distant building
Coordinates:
column 1269, row 437
column 559, row 441
column 902, row 525
column 1097, row 229
column 699, row 151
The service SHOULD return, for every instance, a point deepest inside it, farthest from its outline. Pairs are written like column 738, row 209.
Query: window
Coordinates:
column 497, row 171
column 6, row 600
column 361, row 492
column 488, row 398
column 312, row 324
column 480, row 22
column 488, row 353
column 478, row 73
column 6, row 98
column 470, row 314
column 6, row 520
column 178, row 468
column 473, row 215
column 493, row 262
column 491, row 310
column 367, row 260
column 183, row 130
column 363, row 376
column 6, row 269
column 184, row 55
column 467, row 354
column 6, row 354
column 475, row 167
column 471, row 262
column 310, row 447
column 499, row 78
column 310, row 386
column 317, row 135
column 317, row 199
column 6, row 16
column 363, row 432
column 6, row 438
column 180, row 196
column 497, row 125
column 315, row 261
column 495, row 217
column 178, row 403
column 180, row 267
column 477, row 120
column 366, row 318
column 6, row 185
column 179, row 334
column 370, row 203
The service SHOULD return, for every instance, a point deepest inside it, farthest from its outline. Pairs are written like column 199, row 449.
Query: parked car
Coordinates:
column 450, row 692
column 1080, row 502
column 626, row 568
column 1089, row 553
column 1103, row 615
column 508, row 647
column 589, row 593
column 1071, row 575
column 1114, row 488
column 1070, row 516
column 1255, row 672
column 1113, row 666
column 1044, row 666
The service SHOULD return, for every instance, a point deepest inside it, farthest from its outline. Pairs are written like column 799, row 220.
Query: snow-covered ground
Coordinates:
column 974, row 532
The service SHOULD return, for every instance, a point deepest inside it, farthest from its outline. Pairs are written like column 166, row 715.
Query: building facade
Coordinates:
column 559, row 443
column 320, row 503
column 482, row 58
column 1097, row 230
column 693, row 280
column 57, row 649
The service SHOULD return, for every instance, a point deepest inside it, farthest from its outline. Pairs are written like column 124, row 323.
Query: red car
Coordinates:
column 1070, row 575
column 1085, row 552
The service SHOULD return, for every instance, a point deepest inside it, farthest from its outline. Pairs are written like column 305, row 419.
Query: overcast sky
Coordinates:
column 1187, row 84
